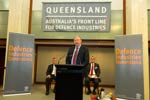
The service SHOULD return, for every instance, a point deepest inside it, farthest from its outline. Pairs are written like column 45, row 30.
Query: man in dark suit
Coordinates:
column 50, row 75
column 92, row 74
column 78, row 54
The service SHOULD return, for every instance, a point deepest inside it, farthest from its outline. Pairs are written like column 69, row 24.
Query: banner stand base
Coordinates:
column 16, row 94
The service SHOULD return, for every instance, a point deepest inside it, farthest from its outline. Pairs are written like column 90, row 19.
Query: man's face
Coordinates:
column 54, row 61
column 77, row 41
column 92, row 59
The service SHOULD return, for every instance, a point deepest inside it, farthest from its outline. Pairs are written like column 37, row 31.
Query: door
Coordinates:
column 2, row 62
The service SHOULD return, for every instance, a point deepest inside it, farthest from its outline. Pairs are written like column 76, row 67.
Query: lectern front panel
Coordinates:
column 69, row 84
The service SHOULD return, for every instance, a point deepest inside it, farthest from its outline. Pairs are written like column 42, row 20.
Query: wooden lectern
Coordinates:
column 69, row 82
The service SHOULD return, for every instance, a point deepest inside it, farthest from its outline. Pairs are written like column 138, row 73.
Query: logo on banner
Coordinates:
column 26, row 88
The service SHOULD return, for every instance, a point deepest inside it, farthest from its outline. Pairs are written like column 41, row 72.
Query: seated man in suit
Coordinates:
column 92, row 74
column 50, row 75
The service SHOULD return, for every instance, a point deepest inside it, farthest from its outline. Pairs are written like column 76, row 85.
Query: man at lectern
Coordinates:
column 78, row 54
column 92, row 74
column 50, row 75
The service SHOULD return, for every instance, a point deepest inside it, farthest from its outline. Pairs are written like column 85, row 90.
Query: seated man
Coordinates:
column 92, row 74
column 50, row 75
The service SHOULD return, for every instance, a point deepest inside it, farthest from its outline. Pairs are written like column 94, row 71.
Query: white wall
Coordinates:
column 148, row 4
column 37, row 4
column 44, row 58
column 4, row 4
column 116, row 4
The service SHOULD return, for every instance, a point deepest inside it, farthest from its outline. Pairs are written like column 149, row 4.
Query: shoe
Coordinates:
column 47, row 93
column 94, row 92
column 88, row 92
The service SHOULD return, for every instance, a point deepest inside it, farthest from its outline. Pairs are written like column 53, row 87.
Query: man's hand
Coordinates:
column 92, row 76
column 48, row 76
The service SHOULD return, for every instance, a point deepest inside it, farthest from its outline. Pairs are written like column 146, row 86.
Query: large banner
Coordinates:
column 129, row 67
column 76, row 16
column 19, row 64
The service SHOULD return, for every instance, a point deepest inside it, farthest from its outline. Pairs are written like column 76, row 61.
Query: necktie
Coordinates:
column 75, row 56
column 92, row 68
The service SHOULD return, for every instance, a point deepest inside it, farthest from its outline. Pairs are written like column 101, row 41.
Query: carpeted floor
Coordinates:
column 38, row 93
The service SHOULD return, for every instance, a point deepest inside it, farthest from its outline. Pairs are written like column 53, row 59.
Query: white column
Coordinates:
column 137, row 23
column 18, row 16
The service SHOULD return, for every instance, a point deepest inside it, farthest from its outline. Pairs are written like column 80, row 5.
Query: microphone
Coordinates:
column 59, row 60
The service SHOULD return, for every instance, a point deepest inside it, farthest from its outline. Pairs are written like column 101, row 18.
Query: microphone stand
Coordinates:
column 59, row 60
